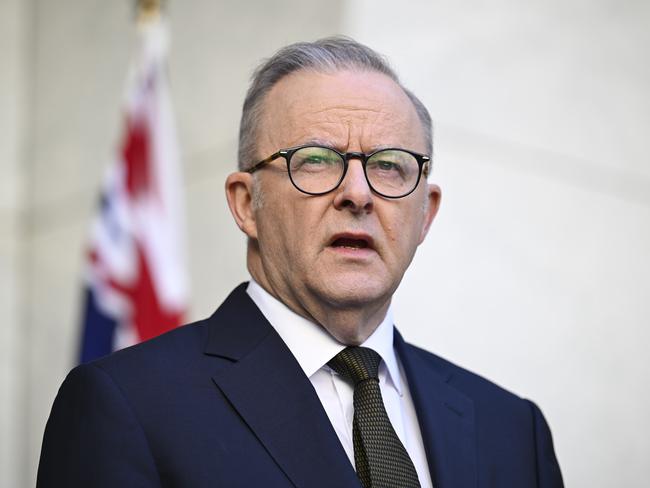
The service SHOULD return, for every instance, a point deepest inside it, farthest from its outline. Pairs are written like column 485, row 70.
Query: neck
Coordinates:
column 350, row 326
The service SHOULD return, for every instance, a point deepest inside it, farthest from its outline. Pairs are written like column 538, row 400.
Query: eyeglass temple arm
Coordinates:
column 426, row 165
column 265, row 161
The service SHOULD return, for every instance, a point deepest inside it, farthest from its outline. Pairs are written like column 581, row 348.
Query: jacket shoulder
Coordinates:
column 172, row 351
column 471, row 384
column 504, row 422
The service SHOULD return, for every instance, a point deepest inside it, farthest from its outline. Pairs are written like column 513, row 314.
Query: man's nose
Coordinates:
column 354, row 193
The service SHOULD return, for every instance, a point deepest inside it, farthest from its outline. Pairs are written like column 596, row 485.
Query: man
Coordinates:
column 273, row 390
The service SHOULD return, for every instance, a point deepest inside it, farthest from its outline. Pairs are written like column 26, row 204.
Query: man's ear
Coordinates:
column 239, row 193
column 431, row 209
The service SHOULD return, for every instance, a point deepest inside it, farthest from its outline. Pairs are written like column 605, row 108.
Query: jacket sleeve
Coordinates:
column 93, row 438
column 548, row 470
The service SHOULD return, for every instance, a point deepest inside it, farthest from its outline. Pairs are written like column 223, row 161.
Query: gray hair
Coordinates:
column 325, row 55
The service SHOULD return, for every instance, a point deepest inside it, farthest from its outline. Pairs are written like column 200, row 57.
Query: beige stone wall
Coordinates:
column 14, row 109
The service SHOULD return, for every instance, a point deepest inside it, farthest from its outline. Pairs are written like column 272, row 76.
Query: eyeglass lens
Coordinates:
column 318, row 170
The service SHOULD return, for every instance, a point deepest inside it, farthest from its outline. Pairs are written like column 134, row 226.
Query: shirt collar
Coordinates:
column 311, row 344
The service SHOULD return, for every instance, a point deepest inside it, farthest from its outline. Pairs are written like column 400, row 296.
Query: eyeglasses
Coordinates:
column 316, row 170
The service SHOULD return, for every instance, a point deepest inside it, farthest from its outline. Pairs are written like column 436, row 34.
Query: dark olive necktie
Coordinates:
column 380, row 458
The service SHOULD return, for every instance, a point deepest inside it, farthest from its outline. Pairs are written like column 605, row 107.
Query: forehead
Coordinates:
column 350, row 110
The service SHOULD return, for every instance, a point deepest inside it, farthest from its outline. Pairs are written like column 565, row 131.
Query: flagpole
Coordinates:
column 148, row 10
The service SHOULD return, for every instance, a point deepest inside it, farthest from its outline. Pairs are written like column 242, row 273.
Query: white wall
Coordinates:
column 14, row 49
column 537, row 273
column 77, row 65
column 534, row 274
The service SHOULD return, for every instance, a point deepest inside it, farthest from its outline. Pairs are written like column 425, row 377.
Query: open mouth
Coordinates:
column 352, row 241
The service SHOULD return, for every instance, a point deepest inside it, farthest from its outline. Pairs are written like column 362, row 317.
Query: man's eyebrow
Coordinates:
column 319, row 142
column 330, row 143
column 379, row 147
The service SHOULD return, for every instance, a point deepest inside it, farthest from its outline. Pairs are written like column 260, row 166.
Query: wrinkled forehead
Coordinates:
column 349, row 109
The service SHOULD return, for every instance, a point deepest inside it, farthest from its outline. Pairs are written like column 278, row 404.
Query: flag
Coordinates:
column 136, row 285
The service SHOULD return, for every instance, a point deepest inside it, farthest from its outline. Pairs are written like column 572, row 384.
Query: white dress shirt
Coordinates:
column 313, row 347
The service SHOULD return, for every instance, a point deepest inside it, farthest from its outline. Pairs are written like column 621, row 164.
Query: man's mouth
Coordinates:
column 352, row 241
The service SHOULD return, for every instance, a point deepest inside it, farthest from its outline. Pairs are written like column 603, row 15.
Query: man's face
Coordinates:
column 346, row 250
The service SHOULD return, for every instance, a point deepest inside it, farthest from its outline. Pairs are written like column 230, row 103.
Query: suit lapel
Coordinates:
column 446, row 419
column 277, row 401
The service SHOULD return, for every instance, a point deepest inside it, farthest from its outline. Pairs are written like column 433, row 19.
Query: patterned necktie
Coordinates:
column 380, row 458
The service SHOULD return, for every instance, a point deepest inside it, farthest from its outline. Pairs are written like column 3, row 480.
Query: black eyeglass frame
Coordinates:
column 422, row 159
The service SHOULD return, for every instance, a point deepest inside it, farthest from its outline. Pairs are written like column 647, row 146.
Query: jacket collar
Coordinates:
column 445, row 416
column 267, row 387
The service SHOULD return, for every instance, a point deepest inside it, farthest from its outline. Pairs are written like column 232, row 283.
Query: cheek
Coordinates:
column 282, row 232
column 403, row 231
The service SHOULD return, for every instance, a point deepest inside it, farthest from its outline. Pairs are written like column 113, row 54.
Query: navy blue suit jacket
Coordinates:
column 223, row 403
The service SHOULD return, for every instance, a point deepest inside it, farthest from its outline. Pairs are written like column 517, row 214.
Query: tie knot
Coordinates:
column 356, row 364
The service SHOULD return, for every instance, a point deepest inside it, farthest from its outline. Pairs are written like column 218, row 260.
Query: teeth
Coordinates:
column 350, row 243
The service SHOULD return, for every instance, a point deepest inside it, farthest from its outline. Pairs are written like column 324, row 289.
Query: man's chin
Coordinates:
column 348, row 292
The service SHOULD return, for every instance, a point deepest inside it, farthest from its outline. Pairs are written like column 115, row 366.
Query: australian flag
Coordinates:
column 136, row 284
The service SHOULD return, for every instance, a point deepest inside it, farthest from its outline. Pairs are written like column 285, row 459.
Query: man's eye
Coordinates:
column 387, row 165
column 316, row 160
